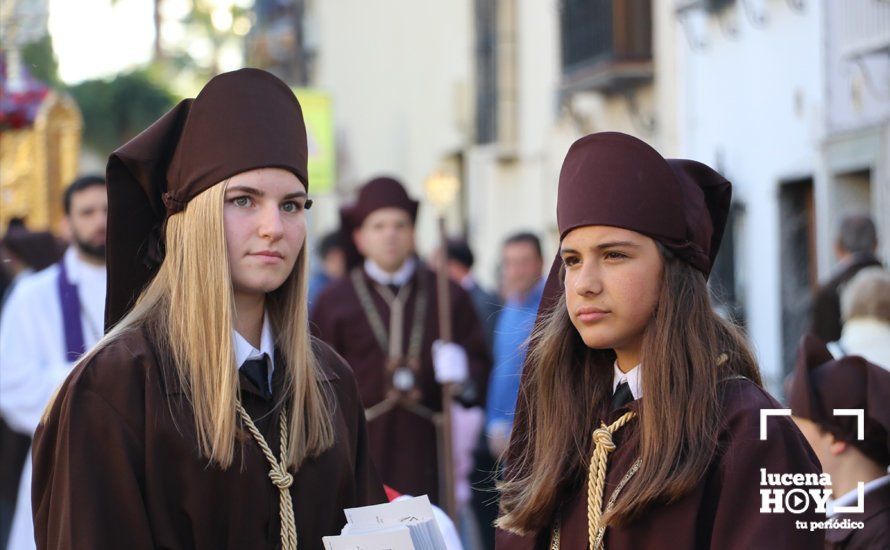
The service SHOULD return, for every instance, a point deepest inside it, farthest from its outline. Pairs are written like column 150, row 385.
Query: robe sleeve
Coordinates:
column 88, row 483
column 738, row 522
column 468, row 332
column 28, row 374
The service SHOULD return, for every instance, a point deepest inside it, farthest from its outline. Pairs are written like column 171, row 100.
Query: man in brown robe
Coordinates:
column 822, row 385
column 400, row 371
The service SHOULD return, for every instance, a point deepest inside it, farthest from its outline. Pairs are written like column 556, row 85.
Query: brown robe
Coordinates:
column 403, row 445
column 723, row 510
column 116, row 463
column 875, row 535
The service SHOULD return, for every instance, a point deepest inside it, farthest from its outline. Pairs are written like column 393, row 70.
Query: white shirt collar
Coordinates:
column 244, row 350
column 76, row 268
column 633, row 380
column 851, row 498
column 400, row 277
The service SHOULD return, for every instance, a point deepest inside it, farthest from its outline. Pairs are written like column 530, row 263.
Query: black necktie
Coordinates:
column 394, row 288
column 257, row 371
column 622, row 396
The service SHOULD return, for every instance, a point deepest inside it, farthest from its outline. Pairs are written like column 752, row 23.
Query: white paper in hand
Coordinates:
column 375, row 527
column 392, row 538
column 412, row 510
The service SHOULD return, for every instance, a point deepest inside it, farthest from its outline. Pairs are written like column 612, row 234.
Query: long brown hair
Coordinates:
column 679, row 418
column 188, row 310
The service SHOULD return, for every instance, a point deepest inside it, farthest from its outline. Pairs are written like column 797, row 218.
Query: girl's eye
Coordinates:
column 570, row 261
column 242, row 201
column 292, row 206
column 615, row 256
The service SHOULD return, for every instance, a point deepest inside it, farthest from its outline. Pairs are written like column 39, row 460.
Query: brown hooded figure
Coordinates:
column 208, row 417
column 850, row 452
column 667, row 453
column 385, row 329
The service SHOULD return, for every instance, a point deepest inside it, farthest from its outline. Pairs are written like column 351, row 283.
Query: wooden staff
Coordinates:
column 446, row 456
column 441, row 190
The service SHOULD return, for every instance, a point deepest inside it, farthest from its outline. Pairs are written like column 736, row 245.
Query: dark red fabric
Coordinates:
column 875, row 533
column 723, row 509
column 822, row 383
column 116, row 462
column 240, row 121
column 402, row 444
column 615, row 179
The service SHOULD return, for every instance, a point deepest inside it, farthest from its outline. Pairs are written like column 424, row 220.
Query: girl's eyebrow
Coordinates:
column 616, row 244
column 256, row 192
column 245, row 189
column 603, row 246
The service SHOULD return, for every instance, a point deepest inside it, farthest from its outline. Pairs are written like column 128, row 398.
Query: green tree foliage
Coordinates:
column 41, row 62
column 116, row 110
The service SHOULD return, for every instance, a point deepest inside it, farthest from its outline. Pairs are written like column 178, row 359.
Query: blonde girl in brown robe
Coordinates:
column 672, row 457
column 164, row 436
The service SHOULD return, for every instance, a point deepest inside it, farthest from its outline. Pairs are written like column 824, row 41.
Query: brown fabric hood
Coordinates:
column 822, row 384
column 240, row 121
column 615, row 179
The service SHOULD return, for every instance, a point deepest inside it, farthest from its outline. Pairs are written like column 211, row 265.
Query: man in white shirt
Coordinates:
column 22, row 252
column 48, row 321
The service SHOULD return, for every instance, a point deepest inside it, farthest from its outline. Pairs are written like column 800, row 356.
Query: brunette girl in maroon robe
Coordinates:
column 637, row 424
column 207, row 417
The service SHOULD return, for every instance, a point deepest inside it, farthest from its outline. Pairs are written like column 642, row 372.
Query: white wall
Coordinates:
column 857, row 84
column 398, row 74
column 519, row 193
column 751, row 107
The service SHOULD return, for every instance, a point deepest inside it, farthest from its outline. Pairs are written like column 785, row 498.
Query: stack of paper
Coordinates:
column 404, row 525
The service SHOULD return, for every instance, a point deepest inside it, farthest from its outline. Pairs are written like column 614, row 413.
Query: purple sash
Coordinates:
column 74, row 346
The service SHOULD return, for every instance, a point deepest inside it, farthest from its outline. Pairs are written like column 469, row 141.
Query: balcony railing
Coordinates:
column 606, row 44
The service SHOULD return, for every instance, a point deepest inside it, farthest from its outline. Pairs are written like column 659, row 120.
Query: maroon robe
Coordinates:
column 723, row 509
column 116, row 462
column 403, row 445
column 875, row 535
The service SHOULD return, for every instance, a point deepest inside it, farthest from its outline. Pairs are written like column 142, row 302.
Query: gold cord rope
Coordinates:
column 279, row 475
column 596, row 477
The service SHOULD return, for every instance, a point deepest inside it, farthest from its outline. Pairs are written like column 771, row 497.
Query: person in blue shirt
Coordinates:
column 332, row 264
column 522, row 285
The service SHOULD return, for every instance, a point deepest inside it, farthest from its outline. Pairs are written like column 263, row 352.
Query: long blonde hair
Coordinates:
column 188, row 310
